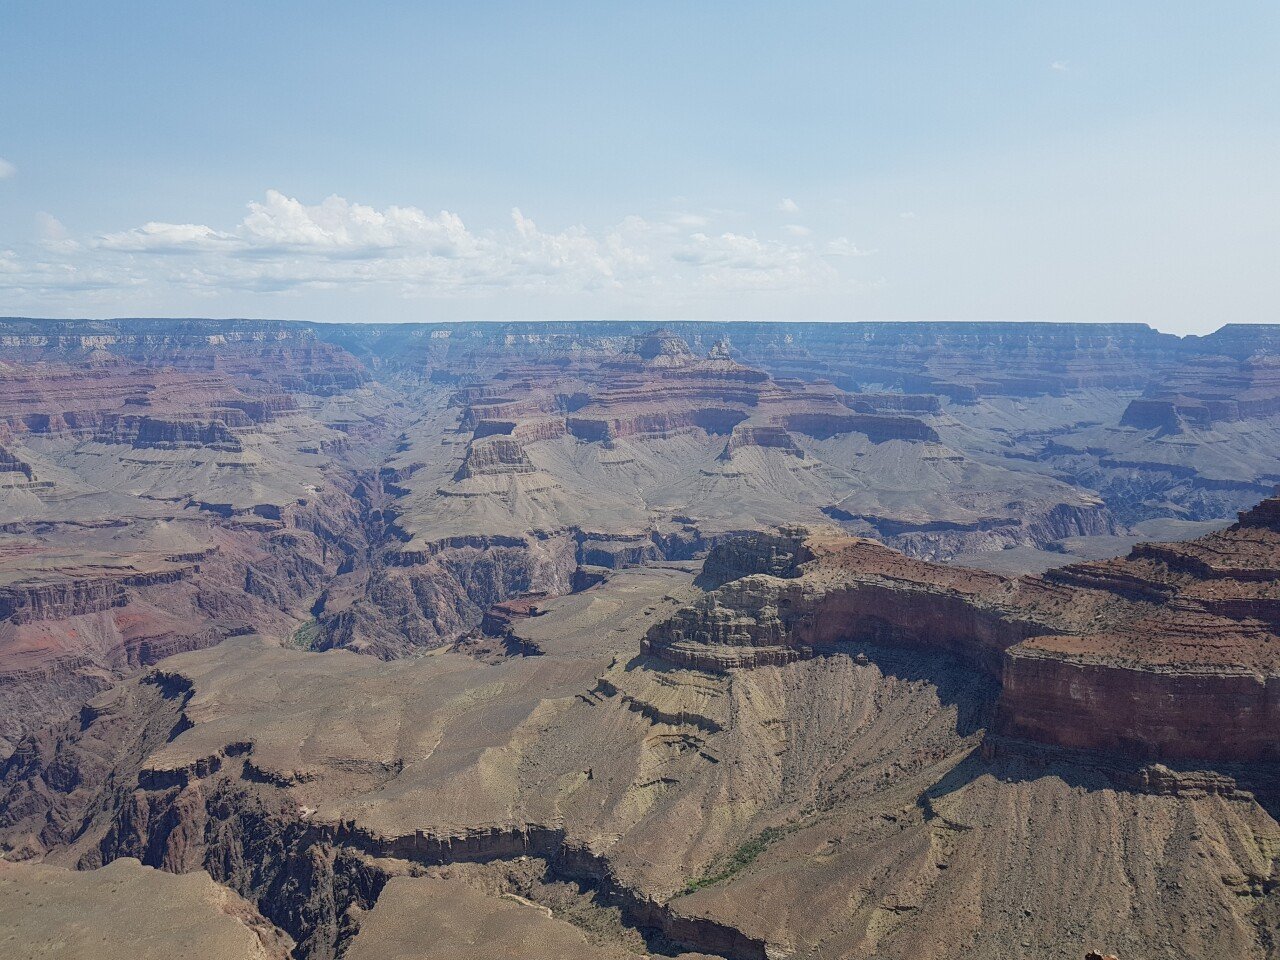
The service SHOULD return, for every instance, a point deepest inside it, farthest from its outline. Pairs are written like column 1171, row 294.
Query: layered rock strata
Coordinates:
column 1171, row 652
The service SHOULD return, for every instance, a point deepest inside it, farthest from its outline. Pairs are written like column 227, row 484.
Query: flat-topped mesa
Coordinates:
column 1170, row 653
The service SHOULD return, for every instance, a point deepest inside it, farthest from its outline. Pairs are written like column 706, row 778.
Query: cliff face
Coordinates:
column 1169, row 653
column 1224, row 714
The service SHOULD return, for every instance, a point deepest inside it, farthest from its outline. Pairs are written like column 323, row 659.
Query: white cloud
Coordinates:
column 50, row 228
column 787, row 205
column 1062, row 66
column 844, row 247
column 283, row 244
column 7, row 169
column 907, row 215
column 165, row 238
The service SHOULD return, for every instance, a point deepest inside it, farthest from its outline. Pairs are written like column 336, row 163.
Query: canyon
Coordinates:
column 737, row 640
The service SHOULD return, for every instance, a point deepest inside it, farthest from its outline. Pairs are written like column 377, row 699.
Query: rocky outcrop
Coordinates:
column 1169, row 653
column 431, row 597
column 772, row 437
column 846, row 591
column 777, row 554
column 11, row 464
column 494, row 457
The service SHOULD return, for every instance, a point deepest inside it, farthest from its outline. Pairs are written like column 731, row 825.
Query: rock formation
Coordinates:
column 1171, row 652
column 743, row 640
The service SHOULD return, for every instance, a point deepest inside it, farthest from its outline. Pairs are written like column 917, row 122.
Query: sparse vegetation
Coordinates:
column 740, row 859
column 306, row 635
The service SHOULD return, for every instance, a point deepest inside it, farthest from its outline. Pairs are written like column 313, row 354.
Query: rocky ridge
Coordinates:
column 1170, row 652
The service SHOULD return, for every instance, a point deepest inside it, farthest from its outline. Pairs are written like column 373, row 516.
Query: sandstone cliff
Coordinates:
column 1168, row 653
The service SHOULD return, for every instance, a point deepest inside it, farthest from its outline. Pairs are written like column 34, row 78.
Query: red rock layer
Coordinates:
column 1172, row 652
column 658, row 388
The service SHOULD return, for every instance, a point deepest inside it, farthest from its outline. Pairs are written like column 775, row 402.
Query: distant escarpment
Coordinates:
column 1207, row 391
column 659, row 388
column 1156, row 425
column 1170, row 653
column 642, row 432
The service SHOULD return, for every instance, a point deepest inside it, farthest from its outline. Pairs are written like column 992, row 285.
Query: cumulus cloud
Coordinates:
column 787, row 205
column 1062, row 66
column 7, row 169
column 283, row 244
column 165, row 238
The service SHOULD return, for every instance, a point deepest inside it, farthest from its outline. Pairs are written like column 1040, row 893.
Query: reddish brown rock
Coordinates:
column 1172, row 652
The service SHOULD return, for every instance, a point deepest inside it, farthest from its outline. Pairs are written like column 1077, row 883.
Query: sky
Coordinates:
column 1074, row 161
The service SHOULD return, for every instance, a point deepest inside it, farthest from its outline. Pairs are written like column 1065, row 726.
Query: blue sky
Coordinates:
column 397, row 161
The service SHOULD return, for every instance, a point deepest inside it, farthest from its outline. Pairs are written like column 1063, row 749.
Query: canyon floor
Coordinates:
column 750, row 641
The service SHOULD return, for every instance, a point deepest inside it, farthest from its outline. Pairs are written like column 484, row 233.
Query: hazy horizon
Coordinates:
column 651, row 321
